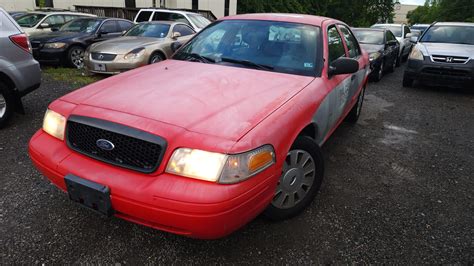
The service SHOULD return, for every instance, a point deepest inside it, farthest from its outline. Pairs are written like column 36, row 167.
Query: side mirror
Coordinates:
column 392, row 43
column 54, row 29
column 175, row 46
column 176, row 35
column 408, row 35
column 44, row 25
column 414, row 39
column 123, row 32
column 343, row 65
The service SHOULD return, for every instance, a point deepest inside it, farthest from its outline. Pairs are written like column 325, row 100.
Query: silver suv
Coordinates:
column 19, row 72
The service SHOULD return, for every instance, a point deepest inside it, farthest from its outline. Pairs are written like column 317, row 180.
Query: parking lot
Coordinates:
column 398, row 188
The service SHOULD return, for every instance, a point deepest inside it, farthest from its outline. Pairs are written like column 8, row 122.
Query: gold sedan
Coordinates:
column 145, row 43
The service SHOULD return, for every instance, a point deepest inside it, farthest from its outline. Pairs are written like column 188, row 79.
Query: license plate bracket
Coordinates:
column 100, row 67
column 89, row 194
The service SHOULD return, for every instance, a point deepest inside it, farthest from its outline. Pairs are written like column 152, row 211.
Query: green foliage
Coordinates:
column 357, row 13
column 443, row 10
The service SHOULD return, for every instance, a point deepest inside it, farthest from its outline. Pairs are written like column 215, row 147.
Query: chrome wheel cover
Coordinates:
column 155, row 59
column 77, row 57
column 299, row 172
column 3, row 105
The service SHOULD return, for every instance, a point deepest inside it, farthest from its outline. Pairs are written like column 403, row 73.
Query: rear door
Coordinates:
column 332, row 107
column 108, row 30
column 355, row 53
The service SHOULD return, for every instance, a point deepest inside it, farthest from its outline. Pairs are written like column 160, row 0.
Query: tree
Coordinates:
column 443, row 10
column 354, row 12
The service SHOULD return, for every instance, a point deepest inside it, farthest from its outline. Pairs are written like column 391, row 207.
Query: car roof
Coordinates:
column 59, row 13
column 169, row 10
column 295, row 18
column 369, row 29
column 454, row 24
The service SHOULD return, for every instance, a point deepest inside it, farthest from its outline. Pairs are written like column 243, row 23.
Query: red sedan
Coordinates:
column 200, row 144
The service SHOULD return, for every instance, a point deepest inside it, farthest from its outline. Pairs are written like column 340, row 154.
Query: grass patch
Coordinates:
column 74, row 76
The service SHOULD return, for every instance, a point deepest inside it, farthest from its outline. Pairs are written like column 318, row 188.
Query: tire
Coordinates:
column 399, row 59
column 379, row 74
column 293, row 181
column 407, row 81
column 6, row 105
column 354, row 114
column 155, row 58
column 75, row 57
column 392, row 67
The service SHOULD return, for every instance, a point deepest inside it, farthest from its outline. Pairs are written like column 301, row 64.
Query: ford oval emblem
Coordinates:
column 105, row 145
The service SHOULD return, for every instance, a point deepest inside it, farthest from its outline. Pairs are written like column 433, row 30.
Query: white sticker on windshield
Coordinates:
column 308, row 65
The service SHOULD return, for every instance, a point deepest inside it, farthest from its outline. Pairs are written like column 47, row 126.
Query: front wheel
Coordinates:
column 300, row 180
column 76, row 57
column 379, row 74
column 6, row 105
column 155, row 58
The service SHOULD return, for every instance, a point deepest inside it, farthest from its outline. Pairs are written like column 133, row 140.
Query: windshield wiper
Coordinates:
column 203, row 59
column 247, row 63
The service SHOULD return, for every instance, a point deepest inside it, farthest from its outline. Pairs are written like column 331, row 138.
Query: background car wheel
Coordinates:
column 392, row 67
column 301, row 178
column 155, row 58
column 399, row 59
column 379, row 74
column 76, row 57
column 6, row 105
column 354, row 114
column 407, row 82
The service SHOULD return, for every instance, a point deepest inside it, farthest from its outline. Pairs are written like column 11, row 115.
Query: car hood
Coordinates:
column 123, row 45
column 448, row 49
column 372, row 48
column 221, row 101
column 56, row 36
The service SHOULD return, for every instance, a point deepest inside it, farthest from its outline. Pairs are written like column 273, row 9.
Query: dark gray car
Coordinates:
column 19, row 72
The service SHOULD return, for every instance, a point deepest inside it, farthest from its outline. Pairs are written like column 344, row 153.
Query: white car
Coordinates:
column 195, row 20
column 403, row 34
column 38, row 22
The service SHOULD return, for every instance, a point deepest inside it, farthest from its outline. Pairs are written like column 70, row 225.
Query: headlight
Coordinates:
column 55, row 45
column 135, row 53
column 54, row 124
column 374, row 56
column 416, row 54
column 217, row 167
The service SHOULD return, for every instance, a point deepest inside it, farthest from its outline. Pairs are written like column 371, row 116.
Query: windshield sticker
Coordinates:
column 308, row 65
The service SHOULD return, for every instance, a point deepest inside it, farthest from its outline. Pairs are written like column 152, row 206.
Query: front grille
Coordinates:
column 132, row 148
column 35, row 44
column 103, row 57
column 449, row 59
column 446, row 72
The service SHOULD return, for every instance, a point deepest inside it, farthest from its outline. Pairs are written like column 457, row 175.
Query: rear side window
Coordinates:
column 54, row 20
column 407, row 30
column 125, row 25
column 351, row 42
column 184, row 30
column 335, row 45
column 169, row 17
column 110, row 26
column 143, row 16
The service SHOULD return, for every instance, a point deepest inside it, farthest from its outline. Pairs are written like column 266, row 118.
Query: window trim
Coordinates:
column 345, row 43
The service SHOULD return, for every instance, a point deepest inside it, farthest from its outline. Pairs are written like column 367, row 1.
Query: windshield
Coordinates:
column 396, row 30
column 266, row 45
column 450, row 34
column 200, row 21
column 81, row 25
column 149, row 30
column 369, row 36
column 29, row 20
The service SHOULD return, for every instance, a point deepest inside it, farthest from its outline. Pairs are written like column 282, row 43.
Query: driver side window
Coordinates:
column 335, row 45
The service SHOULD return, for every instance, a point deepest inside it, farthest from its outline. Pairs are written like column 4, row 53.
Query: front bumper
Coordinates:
column 444, row 74
column 116, row 66
column 53, row 56
column 166, row 202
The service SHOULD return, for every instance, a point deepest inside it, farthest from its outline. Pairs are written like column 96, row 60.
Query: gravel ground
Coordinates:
column 398, row 189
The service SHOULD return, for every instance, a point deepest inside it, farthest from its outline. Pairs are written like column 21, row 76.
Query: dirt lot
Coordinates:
column 399, row 187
